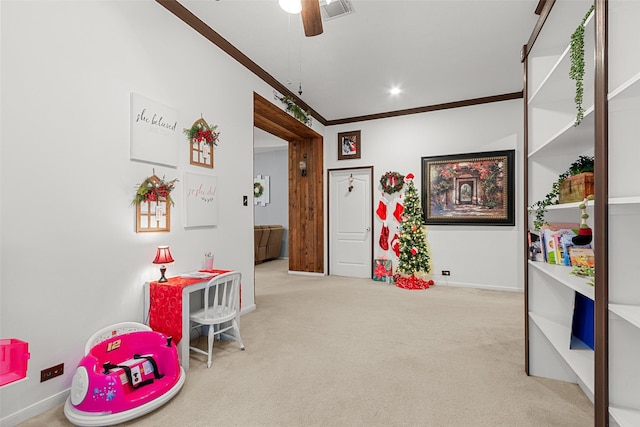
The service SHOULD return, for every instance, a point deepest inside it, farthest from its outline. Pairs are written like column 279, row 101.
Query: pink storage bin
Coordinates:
column 14, row 355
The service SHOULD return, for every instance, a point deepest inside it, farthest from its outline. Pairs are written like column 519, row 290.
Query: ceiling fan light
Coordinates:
column 291, row 6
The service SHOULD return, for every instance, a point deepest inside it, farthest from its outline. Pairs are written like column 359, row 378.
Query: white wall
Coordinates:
column 478, row 256
column 71, row 260
column 275, row 164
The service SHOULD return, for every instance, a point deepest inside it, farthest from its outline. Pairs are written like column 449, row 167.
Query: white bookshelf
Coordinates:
column 553, row 144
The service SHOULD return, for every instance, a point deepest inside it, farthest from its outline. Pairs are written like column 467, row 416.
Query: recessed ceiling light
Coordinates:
column 291, row 6
column 395, row 90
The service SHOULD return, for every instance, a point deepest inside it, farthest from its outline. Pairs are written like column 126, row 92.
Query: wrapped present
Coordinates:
column 382, row 270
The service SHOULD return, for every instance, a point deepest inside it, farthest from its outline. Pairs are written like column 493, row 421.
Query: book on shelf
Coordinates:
column 535, row 247
column 582, row 257
column 556, row 238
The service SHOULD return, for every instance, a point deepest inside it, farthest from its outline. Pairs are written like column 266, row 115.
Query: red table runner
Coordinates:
column 165, row 304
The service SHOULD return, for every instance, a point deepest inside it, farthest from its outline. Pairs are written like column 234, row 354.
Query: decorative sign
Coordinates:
column 153, row 216
column 200, row 200
column 154, row 133
column 202, row 137
column 261, row 190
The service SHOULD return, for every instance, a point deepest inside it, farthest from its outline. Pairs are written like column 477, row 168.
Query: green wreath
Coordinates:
column 392, row 182
column 258, row 189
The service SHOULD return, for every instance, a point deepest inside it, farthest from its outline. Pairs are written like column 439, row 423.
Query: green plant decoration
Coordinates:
column 576, row 70
column 583, row 164
column 294, row 109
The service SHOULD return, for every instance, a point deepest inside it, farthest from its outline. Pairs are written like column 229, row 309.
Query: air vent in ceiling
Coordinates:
column 335, row 9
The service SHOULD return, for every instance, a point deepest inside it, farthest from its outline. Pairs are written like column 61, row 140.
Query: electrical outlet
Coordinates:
column 52, row 372
column 446, row 273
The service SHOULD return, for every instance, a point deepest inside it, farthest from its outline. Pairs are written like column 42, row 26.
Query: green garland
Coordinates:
column 153, row 189
column 293, row 109
column 258, row 189
column 583, row 164
column 202, row 131
column 576, row 71
column 387, row 182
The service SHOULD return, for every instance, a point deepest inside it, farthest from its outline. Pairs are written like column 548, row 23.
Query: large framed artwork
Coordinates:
column 469, row 189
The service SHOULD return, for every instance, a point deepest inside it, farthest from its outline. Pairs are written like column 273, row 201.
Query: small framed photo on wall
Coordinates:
column 349, row 145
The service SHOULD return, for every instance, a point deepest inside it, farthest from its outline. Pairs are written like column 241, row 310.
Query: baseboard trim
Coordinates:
column 306, row 273
column 36, row 409
column 248, row 309
column 476, row 286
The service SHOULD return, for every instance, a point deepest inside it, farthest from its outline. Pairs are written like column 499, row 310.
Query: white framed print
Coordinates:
column 200, row 200
column 154, row 132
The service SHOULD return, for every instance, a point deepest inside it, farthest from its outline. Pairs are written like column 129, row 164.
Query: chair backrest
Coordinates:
column 113, row 330
column 222, row 295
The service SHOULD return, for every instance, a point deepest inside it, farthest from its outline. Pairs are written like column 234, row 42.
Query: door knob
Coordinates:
column 368, row 228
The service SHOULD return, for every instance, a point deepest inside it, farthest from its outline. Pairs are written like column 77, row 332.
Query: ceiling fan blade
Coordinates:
column 311, row 19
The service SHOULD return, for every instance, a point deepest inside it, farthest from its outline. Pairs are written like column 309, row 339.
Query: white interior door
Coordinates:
column 350, row 222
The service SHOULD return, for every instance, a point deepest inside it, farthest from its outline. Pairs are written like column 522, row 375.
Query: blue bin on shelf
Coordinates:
column 582, row 328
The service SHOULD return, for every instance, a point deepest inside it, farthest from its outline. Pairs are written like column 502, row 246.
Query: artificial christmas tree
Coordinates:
column 413, row 263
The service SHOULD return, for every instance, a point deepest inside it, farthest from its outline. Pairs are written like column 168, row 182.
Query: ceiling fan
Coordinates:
column 310, row 11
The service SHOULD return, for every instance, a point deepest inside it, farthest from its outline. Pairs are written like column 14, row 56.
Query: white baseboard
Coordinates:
column 444, row 282
column 248, row 309
column 35, row 409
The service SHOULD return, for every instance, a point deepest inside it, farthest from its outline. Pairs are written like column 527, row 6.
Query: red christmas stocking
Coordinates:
column 398, row 212
column 384, row 237
column 382, row 210
column 395, row 245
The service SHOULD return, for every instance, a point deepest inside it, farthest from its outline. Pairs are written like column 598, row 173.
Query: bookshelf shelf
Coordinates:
column 625, row 417
column 560, row 273
column 630, row 313
column 579, row 360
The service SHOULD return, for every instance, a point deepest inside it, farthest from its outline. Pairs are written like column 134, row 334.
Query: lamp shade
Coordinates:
column 163, row 256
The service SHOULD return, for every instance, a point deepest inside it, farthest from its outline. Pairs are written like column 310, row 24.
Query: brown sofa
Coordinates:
column 268, row 242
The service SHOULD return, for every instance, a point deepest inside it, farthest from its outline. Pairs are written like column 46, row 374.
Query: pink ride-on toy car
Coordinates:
column 128, row 370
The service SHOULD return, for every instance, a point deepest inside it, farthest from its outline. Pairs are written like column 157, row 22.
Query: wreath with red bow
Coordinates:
column 392, row 182
column 202, row 131
column 154, row 189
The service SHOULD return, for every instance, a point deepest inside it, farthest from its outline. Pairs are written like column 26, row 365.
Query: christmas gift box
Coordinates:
column 382, row 270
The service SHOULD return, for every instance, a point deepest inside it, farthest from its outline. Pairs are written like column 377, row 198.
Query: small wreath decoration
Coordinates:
column 153, row 189
column 258, row 189
column 392, row 182
column 202, row 131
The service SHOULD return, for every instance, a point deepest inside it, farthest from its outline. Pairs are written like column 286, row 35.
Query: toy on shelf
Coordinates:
column 128, row 370
column 585, row 234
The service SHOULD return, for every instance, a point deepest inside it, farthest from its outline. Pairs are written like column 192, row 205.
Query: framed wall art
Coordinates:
column 202, row 138
column 153, row 204
column 349, row 145
column 200, row 200
column 469, row 189
column 154, row 137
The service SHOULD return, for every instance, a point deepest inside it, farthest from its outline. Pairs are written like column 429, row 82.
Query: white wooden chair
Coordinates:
column 220, row 312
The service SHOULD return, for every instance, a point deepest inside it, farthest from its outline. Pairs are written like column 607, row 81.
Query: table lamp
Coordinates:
column 163, row 256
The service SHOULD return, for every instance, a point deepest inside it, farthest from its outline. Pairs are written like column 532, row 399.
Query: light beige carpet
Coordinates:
column 334, row 351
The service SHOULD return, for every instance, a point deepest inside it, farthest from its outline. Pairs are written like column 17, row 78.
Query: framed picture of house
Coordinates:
column 349, row 145
column 469, row 189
